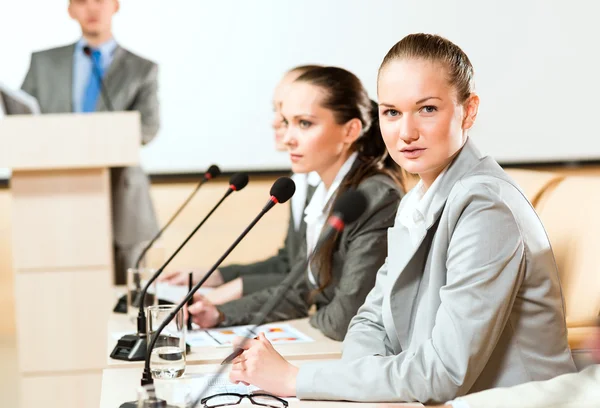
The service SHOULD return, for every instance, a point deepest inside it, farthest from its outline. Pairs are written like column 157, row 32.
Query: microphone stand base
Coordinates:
column 131, row 347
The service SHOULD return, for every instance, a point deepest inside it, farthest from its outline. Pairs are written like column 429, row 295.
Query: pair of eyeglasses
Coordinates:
column 264, row 400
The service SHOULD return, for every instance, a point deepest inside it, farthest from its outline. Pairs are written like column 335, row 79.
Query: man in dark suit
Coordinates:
column 63, row 80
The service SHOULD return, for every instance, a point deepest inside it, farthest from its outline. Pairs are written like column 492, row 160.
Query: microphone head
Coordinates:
column 238, row 181
column 212, row 172
column 350, row 205
column 283, row 189
column 87, row 50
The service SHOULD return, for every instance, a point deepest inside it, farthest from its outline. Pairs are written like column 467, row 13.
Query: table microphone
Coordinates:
column 96, row 70
column 347, row 209
column 132, row 347
column 281, row 191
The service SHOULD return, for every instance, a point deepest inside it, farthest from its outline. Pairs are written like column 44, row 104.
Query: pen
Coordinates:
column 236, row 353
column 190, row 302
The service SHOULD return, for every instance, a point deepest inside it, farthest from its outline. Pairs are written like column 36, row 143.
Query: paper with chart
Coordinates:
column 277, row 333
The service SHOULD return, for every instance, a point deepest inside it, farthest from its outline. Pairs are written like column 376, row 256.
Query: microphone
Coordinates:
column 96, row 70
column 281, row 191
column 132, row 347
column 212, row 172
column 347, row 209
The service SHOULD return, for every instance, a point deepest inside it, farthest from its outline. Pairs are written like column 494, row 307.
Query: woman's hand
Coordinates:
column 204, row 313
column 226, row 293
column 262, row 366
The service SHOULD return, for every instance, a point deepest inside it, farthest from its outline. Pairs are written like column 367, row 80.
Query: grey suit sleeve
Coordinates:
column 270, row 272
column 484, row 271
column 581, row 390
column 366, row 334
column 275, row 265
column 365, row 253
column 293, row 305
column 146, row 102
column 29, row 83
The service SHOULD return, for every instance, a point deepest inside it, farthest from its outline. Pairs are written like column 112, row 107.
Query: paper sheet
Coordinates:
column 277, row 333
column 174, row 293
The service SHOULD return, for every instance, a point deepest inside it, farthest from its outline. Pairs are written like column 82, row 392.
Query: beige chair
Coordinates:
column 570, row 212
column 534, row 183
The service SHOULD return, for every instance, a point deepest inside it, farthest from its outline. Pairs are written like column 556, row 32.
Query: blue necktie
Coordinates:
column 92, row 91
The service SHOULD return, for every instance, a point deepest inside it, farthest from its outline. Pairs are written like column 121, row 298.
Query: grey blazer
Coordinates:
column 361, row 250
column 476, row 305
column 581, row 390
column 271, row 272
column 131, row 84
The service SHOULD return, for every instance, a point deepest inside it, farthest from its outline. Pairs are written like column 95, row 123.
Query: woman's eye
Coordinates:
column 391, row 112
column 429, row 109
column 304, row 124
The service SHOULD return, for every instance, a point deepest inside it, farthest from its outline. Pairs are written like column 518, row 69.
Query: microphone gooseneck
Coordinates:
column 96, row 71
column 237, row 182
column 212, row 172
column 284, row 191
column 347, row 209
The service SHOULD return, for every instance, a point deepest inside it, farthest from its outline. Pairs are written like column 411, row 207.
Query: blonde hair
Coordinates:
column 438, row 49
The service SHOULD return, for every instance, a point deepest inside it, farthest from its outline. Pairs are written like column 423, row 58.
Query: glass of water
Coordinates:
column 167, row 359
column 136, row 280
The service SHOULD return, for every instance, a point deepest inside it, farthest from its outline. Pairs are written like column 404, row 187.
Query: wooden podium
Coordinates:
column 62, row 247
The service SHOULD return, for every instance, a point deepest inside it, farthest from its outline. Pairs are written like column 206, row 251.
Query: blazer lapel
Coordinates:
column 114, row 79
column 406, row 264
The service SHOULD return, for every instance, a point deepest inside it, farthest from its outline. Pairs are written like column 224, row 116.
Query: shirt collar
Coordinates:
column 313, row 178
column 106, row 49
column 320, row 201
column 417, row 208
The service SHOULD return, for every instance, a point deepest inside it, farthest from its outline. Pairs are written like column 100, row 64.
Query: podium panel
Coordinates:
column 62, row 247
column 80, row 390
column 69, row 333
column 61, row 219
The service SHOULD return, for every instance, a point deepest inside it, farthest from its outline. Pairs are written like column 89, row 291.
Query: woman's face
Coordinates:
column 315, row 141
column 277, row 123
column 422, row 123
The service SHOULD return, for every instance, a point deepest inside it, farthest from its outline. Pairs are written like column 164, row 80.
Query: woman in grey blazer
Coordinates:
column 332, row 130
column 469, row 297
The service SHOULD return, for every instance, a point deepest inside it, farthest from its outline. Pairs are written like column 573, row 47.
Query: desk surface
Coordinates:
column 120, row 384
column 322, row 348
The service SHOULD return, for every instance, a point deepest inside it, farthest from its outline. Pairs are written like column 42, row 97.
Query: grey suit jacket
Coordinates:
column 476, row 305
column 575, row 390
column 360, row 252
column 131, row 84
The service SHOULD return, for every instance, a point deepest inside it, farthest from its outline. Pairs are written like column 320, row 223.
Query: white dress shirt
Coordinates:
column 317, row 210
column 415, row 215
column 298, row 201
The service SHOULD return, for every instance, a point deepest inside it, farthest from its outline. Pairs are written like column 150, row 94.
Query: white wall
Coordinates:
column 536, row 63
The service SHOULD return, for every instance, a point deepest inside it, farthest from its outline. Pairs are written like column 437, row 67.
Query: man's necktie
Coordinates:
column 93, row 89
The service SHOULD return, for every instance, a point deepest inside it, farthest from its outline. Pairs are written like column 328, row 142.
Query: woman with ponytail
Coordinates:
column 331, row 129
column 469, row 297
